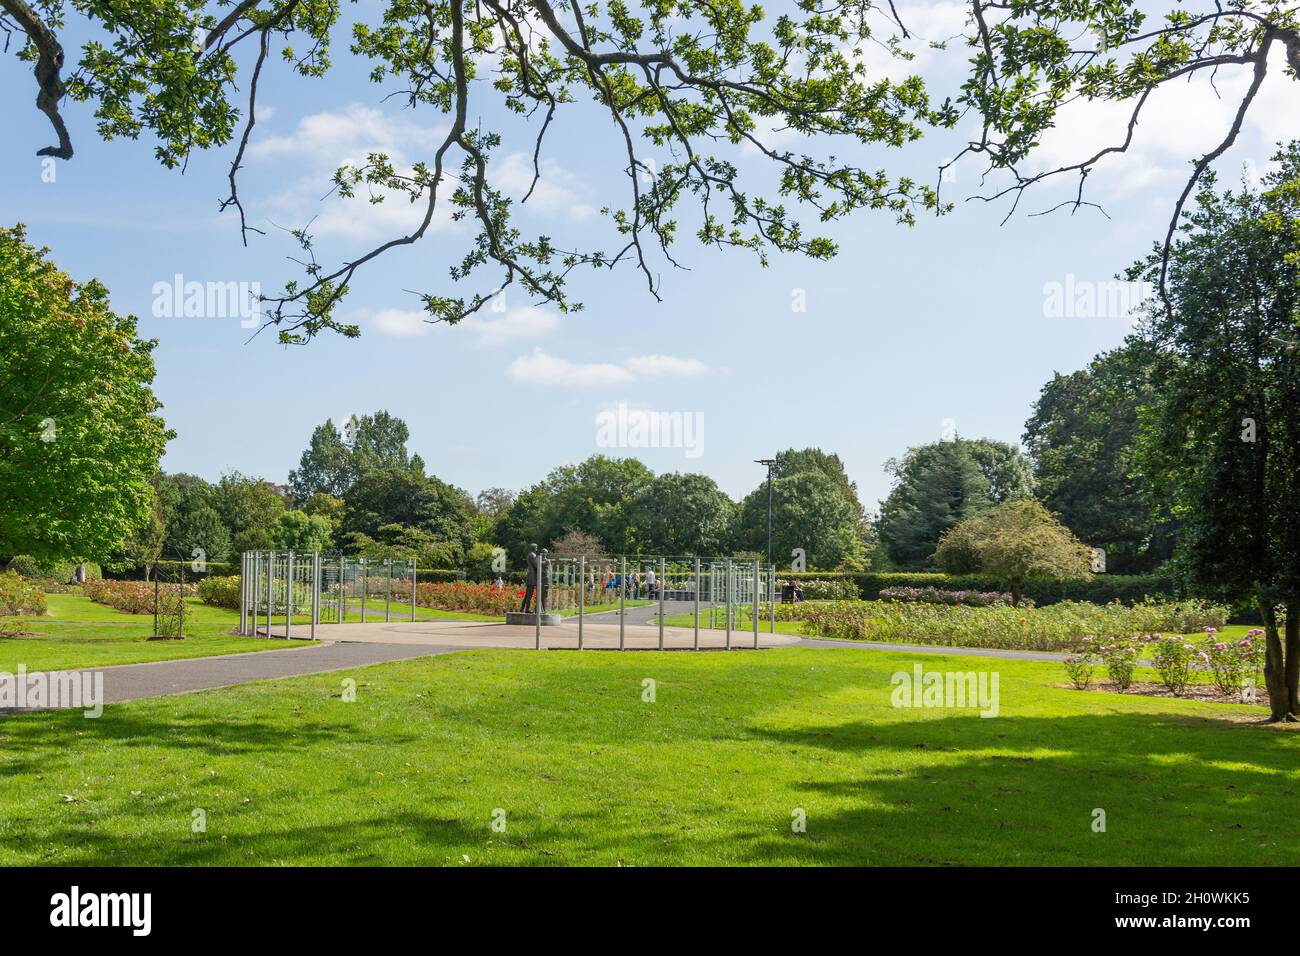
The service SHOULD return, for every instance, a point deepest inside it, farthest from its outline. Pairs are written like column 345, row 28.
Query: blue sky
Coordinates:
column 906, row 329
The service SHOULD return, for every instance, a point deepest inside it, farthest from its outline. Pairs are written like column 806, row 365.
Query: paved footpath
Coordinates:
column 348, row 646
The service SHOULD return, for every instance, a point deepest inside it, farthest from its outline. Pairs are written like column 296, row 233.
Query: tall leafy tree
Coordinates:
column 400, row 496
column 1222, row 439
column 250, row 508
column 937, row 485
column 594, row 496
column 809, row 512
column 80, row 439
column 1082, row 437
column 195, row 528
column 325, row 467
column 379, row 441
column 680, row 514
column 793, row 461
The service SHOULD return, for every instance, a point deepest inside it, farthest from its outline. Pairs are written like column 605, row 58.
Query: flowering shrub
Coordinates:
column 220, row 591
column 1177, row 617
column 133, row 597
column 462, row 596
column 1174, row 660
column 1057, row 627
column 1120, row 658
column 1230, row 664
column 938, row 596
column 818, row 589
column 1079, row 668
column 20, row 597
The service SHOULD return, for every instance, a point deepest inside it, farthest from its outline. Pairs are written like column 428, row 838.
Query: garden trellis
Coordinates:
column 287, row 589
column 722, row 588
column 289, row 593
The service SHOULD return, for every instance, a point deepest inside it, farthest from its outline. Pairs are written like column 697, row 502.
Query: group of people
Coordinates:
column 635, row 585
column 791, row 592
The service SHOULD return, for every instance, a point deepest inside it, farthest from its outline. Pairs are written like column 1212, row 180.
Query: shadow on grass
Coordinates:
column 962, row 790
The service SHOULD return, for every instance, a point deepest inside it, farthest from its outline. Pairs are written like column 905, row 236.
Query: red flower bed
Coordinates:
column 462, row 596
column 133, row 597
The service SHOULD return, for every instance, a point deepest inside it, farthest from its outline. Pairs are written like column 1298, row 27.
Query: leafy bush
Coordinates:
column 1230, row 664
column 220, row 591
column 1120, row 659
column 18, row 596
column 1173, row 658
column 821, row 589
column 1079, row 668
column 133, row 597
column 937, row 596
column 1099, row 588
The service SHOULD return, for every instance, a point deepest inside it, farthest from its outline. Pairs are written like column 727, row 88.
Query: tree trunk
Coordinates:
column 1015, row 586
column 1280, row 696
column 1292, row 650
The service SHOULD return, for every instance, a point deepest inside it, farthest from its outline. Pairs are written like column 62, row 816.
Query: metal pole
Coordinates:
column 771, row 594
column 713, row 594
column 756, row 587
column 388, row 592
column 288, row 598
column 315, row 592
column 243, row 592
column 582, row 594
column 769, row 512
column 414, row 572
column 728, row 587
column 537, row 604
column 622, row 592
column 365, row 585
column 270, row 592
column 696, row 616
column 662, row 569
column 257, row 594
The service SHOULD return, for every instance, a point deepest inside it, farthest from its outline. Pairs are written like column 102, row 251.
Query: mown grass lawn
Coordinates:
column 587, row 772
column 77, row 632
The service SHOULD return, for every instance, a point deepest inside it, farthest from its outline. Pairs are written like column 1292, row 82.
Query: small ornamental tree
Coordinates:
column 1014, row 541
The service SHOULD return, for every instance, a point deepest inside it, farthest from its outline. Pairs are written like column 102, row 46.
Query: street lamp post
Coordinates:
column 769, row 462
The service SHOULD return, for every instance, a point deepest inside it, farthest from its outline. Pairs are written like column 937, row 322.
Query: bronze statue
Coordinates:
column 530, row 582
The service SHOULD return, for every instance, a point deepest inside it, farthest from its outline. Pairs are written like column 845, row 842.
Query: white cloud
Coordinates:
column 664, row 365
column 321, row 142
column 402, row 323
column 543, row 369
column 558, row 191
column 354, row 130
column 1179, row 123
column 529, row 322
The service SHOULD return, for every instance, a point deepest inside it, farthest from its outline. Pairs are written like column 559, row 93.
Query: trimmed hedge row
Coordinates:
column 1098, row 589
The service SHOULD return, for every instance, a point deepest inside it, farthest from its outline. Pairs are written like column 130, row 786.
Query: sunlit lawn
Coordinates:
column 77, row 632
column 585, row 770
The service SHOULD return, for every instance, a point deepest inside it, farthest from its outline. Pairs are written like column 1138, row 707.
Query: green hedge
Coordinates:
column 1098, row 589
